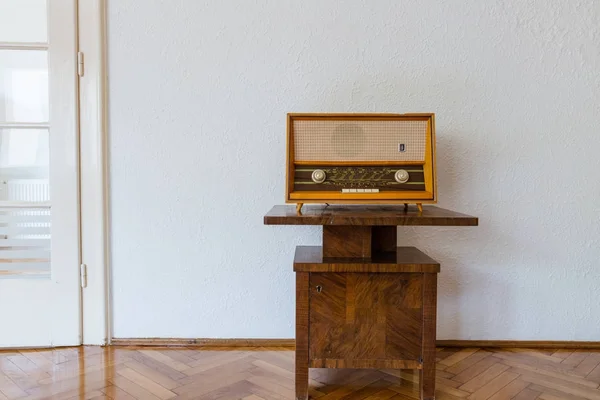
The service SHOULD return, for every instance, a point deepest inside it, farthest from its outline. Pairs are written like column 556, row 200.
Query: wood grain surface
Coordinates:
column 427, row 373
column 404, row 259
column 361, row 316
column 364, row 364
column 339, row 241
column 267, row 373
column 368, row 215
column 302, row 325
column 359, row 242
column 290, row 343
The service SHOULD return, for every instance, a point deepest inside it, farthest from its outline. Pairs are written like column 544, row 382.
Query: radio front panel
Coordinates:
column 361, row 158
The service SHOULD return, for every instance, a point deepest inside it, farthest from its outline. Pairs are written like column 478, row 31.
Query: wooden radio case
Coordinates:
column 360, row 159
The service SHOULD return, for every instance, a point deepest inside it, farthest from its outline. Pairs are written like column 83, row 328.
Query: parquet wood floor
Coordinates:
column 267, row 373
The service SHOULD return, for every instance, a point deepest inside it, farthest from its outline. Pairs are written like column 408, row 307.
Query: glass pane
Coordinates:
column 24, row 203
column 23, row 21
column 24, row 153
column 24, row 240
column 23, row 86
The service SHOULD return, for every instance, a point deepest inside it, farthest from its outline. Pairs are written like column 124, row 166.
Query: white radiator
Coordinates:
column 27, row 190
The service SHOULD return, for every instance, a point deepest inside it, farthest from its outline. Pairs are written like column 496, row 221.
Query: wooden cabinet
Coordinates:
column 362, row 302
column 376, row 312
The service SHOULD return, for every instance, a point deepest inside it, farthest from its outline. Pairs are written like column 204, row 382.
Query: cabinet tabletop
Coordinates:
column 371, row 215
column 404, row 259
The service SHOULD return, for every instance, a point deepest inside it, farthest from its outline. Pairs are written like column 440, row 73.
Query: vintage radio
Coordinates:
column 361, row 159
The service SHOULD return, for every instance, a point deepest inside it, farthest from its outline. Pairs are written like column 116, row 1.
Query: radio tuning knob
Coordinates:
column 318, row 176
column 401, row 176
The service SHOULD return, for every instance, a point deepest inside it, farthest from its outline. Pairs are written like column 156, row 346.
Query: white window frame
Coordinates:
column 96, row 309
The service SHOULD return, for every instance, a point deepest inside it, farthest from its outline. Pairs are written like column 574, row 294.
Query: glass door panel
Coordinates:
column 24, row 152
column 24, row 203
column 23, row 86
column 25, row 207
column 39, row 221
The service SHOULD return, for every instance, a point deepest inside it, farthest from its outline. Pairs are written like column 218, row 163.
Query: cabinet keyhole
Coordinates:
column 319, row 288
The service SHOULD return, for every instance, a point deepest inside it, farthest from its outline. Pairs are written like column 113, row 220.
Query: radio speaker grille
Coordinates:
column 381, row 140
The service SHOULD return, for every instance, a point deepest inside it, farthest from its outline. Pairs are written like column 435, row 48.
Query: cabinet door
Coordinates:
column 365, row 316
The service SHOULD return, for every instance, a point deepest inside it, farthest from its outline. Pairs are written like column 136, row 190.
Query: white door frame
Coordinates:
column 96, row 310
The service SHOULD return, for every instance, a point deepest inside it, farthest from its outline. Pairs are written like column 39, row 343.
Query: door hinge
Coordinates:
column 83, row 275
column 80, row 63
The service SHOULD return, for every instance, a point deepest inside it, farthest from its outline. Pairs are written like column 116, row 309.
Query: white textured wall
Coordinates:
column 198, row 96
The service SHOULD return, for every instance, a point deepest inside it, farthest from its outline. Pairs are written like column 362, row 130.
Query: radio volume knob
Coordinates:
column 318, row 176
column 401, row 176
